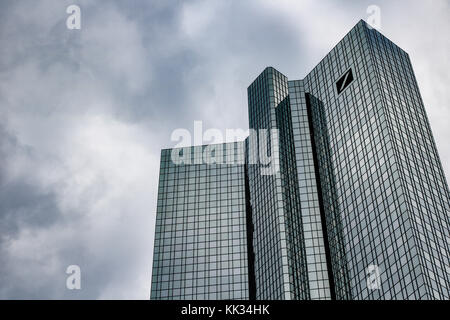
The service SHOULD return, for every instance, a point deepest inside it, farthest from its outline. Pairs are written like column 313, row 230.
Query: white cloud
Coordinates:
column 84, row 115
column 104, row 190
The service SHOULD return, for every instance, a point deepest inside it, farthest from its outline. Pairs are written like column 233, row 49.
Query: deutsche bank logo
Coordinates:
column 344, row 81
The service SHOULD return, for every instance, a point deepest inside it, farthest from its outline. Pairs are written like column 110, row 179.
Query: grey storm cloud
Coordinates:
column 84, row 114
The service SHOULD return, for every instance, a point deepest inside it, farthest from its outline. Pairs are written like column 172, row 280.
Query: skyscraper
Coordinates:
column 359, row 205
column 200, row 247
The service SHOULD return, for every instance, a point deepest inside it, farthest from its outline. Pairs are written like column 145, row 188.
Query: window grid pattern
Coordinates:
column 268, row 214
column 363, row 138
column 381, row 192
column 420, row 170
column 363, row 167
column 308, row 194
column 297, row 257
column 200, row 249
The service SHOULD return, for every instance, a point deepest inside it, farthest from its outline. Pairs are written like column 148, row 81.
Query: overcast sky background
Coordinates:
column 84, row 114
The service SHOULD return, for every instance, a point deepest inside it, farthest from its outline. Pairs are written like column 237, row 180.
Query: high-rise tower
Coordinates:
column 358, row 207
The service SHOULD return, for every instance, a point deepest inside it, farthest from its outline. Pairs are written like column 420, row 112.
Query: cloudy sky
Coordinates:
column 84, row 114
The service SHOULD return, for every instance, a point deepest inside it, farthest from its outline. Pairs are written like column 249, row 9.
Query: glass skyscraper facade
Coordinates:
column 358, row 207
column 200, row 249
